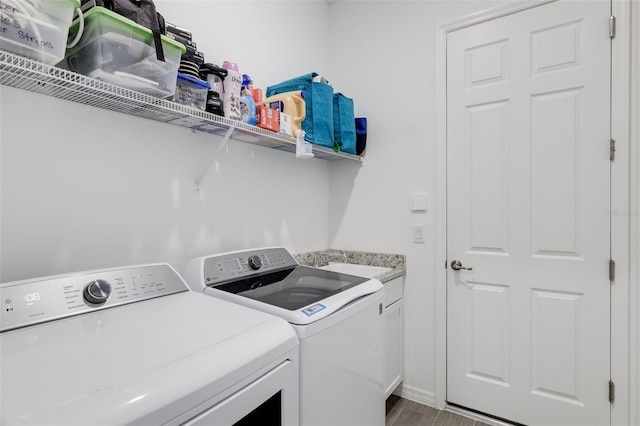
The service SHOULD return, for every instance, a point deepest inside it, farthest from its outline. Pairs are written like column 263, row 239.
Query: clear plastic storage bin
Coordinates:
column 37, row 29
column 117, row 50
column 191, row 91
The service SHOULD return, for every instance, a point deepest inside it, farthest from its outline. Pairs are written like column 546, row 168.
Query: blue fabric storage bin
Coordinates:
column 344, row 123
column 318, row 124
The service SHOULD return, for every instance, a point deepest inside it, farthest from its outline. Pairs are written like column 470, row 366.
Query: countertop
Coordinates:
column 394, row 261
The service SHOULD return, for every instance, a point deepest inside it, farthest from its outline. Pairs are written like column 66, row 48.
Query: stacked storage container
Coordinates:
column 36, row 28
column 118, row 50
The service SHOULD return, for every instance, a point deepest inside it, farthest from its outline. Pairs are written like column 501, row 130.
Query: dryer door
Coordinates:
column 271, row 400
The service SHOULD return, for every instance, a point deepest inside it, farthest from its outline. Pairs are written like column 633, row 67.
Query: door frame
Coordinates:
column 621, row 303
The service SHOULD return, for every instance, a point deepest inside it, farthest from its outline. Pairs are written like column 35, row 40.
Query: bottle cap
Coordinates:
column 230, row 66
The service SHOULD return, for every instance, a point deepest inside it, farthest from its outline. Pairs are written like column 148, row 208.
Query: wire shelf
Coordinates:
column 26, row 74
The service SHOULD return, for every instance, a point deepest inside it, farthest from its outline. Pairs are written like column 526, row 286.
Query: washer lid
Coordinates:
column 293, row 288
column 145, row 362
column 270, row 279
column 314, row 311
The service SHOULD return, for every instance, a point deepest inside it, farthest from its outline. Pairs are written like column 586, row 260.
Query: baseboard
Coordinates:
column 417, row 395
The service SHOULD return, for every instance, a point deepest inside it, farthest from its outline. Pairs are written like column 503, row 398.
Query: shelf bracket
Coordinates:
column 220, row 148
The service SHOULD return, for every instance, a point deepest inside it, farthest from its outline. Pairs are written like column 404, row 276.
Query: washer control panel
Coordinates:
column 39, row 300
column 233, row 266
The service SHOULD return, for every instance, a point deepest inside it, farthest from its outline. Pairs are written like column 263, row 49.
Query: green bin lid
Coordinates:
column 99, row 11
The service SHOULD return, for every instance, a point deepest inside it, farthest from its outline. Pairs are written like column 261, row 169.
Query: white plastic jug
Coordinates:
column 294, row 106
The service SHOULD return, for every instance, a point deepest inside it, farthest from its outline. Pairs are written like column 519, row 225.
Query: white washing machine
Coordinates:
column 337, row 317
column 133, row 345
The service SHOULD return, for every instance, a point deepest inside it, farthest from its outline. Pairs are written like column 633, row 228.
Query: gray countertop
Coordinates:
column 394, row 261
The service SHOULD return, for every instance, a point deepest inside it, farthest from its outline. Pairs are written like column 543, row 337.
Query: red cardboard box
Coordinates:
column 268, row 118
column 256, row 94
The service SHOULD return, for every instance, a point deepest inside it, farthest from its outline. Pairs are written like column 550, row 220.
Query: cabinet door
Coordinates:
column 394, row 331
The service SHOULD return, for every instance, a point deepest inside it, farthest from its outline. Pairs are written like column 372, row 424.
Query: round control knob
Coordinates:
column 97, row 291
column 255, row 262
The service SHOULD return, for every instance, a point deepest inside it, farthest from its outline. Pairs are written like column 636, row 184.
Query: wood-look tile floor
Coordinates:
column 402, row 412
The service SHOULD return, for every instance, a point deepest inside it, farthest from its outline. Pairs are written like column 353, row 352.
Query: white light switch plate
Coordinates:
column 418, row 234
column 419, row 202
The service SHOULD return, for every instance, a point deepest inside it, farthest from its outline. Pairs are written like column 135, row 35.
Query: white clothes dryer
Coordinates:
column 133, row 345
column 338, row 319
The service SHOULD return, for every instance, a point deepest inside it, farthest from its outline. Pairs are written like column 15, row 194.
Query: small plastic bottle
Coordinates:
column 247, row 103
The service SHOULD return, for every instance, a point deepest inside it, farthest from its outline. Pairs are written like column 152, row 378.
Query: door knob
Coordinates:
column 456, row 265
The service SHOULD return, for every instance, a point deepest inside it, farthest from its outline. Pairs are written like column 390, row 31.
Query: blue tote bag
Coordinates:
column 318, row 124
column 344, row 123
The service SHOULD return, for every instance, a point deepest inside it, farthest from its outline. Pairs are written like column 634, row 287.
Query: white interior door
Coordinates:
column 528, row 185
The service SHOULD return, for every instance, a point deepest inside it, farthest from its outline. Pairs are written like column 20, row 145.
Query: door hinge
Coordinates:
column 612, row 391
column 612, row 27
column 445, row 264
column 612, row 270
column 612, row 149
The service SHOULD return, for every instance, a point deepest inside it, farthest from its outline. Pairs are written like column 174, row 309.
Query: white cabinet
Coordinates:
column 394, row 331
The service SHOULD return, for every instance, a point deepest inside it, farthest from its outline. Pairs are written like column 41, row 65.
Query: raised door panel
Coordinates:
column 393, row 346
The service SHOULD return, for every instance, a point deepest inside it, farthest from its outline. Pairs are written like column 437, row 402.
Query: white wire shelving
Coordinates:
column 26, row 74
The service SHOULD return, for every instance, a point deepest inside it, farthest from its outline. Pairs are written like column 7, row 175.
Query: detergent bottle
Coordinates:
column 247, row 103
column 294, row 106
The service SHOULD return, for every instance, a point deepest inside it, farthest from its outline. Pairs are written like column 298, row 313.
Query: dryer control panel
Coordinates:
column 45, row 299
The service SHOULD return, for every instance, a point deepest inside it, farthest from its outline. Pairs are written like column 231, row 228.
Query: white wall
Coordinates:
column 383, row 55
column 83, row 188
column 271, row 40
